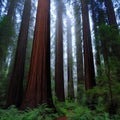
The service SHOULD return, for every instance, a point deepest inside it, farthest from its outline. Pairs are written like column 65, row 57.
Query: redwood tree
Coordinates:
column 88, row 55
column 15, row 91
column 59, row 76
column 38, row 89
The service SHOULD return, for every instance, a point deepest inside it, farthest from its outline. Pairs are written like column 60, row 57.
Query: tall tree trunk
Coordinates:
column 6, row 32
column 11, row 9
column 15, row 92
column 70, row 61
column 79, row 55
column 111, row 13
column 78, row 43
column 38, row 89
column 59, row 76
column 88, row 55
column 113, row 23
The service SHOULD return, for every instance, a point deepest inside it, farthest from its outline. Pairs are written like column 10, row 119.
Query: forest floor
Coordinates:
column 62, row 118
column 64, row 111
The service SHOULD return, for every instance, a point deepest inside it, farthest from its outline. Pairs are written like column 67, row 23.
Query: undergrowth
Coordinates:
column 72, row 110
column 93, row 105
column 75, row 111
column 40, row 113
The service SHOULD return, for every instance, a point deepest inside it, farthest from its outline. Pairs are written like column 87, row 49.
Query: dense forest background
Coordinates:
column 59, row 59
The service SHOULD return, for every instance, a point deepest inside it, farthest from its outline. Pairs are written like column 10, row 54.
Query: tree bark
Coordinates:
column 15, row 91
column 59, row 76
column 38, row 89
column 88, row 55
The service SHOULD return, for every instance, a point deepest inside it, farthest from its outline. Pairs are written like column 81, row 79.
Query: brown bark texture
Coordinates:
column 38, row 89
column 59, row 75
column 88, row 55
column 15, row 91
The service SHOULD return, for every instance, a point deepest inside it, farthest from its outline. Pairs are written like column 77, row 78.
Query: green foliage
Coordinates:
column 7, row 34
column 81, row 95
column 6, row 27
column 72, row 110
column 108, row 81
column 40, row 113
column 110, row 38
column 11, row 113
column 75, row 111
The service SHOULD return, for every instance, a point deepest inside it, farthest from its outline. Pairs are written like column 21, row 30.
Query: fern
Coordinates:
column 40, row 113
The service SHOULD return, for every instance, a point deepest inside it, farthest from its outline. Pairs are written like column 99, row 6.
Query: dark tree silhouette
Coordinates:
column 11, row 9
column 88, row 55
column 59, row 78
column 114, row 28
column 111, row 13
column 15, row 92
column 6, row 32
column 112, row 22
